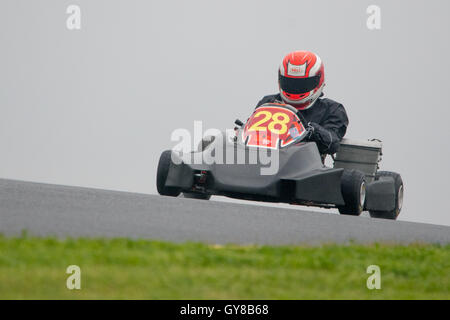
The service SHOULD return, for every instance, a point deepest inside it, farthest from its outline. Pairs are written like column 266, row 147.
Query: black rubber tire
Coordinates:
column 351, row 181
column 398, row 184
column 163, row 170
column 193, row 195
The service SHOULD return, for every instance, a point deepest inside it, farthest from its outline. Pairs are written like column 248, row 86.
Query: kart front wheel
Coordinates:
column 353, row 187
column 163, row 171
column 398, row 185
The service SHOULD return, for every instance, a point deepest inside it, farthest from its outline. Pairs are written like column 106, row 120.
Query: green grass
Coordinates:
column 34, row 268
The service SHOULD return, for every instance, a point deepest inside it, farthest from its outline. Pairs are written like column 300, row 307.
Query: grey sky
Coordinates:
column 95, row 107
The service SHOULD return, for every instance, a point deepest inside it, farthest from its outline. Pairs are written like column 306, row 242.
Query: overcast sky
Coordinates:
column 96, row 106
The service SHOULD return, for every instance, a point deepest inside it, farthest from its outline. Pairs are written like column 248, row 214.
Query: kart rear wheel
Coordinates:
column 193, row 195
column 163, row 170
column 398, row 184
column 353, row 186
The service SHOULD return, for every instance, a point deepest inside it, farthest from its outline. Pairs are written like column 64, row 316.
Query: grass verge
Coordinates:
column 35, row 268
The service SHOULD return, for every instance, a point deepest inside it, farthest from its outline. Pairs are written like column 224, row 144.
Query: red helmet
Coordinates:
column 301, row 79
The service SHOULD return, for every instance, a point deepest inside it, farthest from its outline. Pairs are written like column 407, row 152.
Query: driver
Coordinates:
column 301, row 80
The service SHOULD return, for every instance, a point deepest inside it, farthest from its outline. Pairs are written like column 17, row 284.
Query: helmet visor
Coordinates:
column 298, row 85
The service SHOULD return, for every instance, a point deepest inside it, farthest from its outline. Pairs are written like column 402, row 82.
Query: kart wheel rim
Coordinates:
column 400, row 198
column 362, row 194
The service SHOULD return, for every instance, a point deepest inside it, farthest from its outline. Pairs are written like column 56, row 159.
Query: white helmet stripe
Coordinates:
column 316, row 67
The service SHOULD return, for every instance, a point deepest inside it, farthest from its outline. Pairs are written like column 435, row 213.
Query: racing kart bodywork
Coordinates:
column 268, row 160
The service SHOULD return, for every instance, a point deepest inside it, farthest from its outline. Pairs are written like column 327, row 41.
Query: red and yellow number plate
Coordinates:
column 272, row 127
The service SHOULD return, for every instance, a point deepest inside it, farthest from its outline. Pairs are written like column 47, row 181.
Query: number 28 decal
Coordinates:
column 270, row 126
column 278, row 118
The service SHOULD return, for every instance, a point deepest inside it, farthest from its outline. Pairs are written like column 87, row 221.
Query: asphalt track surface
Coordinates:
column 62, row 211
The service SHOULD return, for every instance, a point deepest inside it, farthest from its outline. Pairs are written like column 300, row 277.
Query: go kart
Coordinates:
column 276, row 131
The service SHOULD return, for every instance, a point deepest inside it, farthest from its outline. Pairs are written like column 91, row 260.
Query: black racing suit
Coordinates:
column 328, row 119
